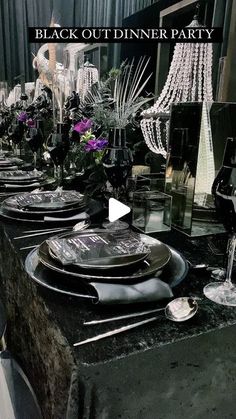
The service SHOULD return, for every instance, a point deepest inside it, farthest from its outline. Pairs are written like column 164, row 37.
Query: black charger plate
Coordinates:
column 158, row 257
column 93, row 208
column 11, row 208
column 9, row 167
column 173, row 273
column 22, row 177
column 20, row 213
column 27, row 187
column 47, row 203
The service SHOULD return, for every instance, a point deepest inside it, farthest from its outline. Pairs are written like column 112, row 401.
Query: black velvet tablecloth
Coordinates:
column 162, row 370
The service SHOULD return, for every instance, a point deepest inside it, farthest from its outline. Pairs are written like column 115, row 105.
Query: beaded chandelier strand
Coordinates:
column 189, row 80
column 87, row 76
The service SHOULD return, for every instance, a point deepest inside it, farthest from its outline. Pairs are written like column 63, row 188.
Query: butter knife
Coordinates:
column 115, row 331
column 123, row 317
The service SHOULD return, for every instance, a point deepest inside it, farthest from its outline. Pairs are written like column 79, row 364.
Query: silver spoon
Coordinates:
column 137, row 314
column 178, row 310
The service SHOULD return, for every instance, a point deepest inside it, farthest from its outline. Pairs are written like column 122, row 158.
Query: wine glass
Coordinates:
column 34, row 138
column 16, row 133
column 117, row 163
column 58, row 147
column 2, row 132
column 224, row 191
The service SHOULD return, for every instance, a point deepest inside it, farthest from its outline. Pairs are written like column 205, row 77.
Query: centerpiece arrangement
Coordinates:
column 108, row 109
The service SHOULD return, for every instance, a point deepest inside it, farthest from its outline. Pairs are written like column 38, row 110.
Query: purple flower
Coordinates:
column 96, row 145
column 83, row 126
column 91, row 145
column 101, row 143
column 22, row 117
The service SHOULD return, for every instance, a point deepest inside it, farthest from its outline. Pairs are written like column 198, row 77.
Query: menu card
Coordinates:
column 48, row 198
column 91, row 247
column 20, row 175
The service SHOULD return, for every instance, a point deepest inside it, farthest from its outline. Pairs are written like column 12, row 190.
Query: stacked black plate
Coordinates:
column 43, row 207
column 20, row 180
column 10, row 163
column 70, row 263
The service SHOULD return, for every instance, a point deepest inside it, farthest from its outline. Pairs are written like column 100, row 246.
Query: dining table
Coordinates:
column 161, row 370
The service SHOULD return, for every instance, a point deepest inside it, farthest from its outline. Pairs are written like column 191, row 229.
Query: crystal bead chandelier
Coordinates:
column 87, row 76
column 189, row 80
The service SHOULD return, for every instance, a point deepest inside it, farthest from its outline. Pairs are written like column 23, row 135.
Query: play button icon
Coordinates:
column 117, row 210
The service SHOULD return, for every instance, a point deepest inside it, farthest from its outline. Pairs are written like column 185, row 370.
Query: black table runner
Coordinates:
column 160, row 370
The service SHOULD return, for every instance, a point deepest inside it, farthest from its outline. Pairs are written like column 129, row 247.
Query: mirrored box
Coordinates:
column 197, row 135
column 151, row 211
column 156, row 181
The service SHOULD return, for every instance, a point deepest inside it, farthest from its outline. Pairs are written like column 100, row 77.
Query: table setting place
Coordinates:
column 103, row 266
column 9, row 163
column 112, row 269
column 15, row 181
column 49, row 208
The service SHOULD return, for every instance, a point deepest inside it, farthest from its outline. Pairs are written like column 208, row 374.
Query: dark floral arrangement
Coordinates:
column 112, row 103
column 88, row 150
column 24, row 117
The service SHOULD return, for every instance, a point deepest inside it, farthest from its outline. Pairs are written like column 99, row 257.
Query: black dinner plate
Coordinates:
column 21, row 177
column 9, row 167
column 25, row 181
column 47, row 203
column 15, row 181
column 10, row 210
column 20, row 214
column 173, row 273
column 14, row 203
column 27, row 187
column 103, row 249
column 158, row 257
column 6, row 164
column 93, row 209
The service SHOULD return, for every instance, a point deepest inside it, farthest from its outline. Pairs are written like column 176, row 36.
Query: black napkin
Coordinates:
column 152, row 289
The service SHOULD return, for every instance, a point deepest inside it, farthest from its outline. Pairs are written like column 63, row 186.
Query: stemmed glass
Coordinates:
column 224, row 191
column 2, row 132
column 117, row 163
column 16, row 133
column 58, row 147
column 34, row 138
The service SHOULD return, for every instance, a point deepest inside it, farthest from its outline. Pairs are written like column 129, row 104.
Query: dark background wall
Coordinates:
column 17, row 15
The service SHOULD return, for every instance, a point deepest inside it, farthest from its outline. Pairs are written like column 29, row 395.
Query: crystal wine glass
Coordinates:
column 16, row 133
column 58, row 147
column 224, row 190
column 34, row 138
column 117, row 163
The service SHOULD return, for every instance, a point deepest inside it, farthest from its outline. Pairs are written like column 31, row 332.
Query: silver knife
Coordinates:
column 44, row 229
column 125, row 316
column 29, row 247
column 39, row 234
column 115, row 331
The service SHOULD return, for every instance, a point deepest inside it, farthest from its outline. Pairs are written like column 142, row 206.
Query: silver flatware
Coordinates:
column 77, row 227
column 38, row 234
column 178, row 310
column 123, row 317
column 45, row 229
column 115, row 332
column 29, row 247
column 130, row 316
